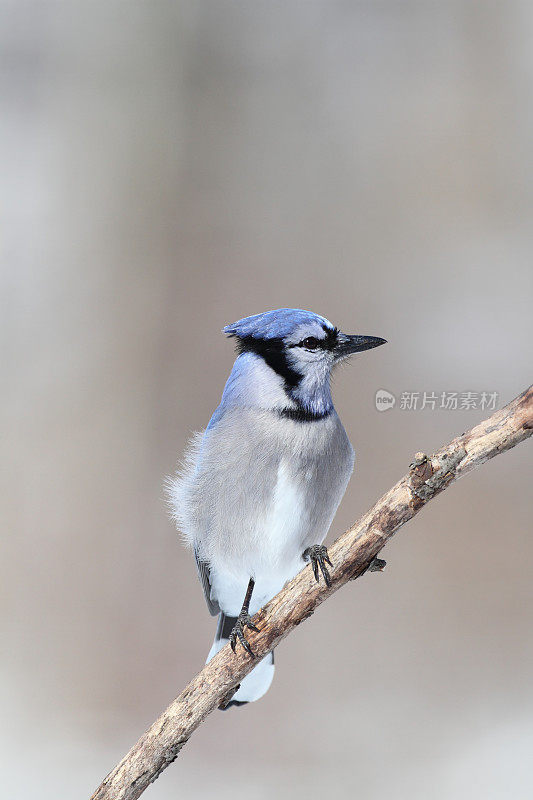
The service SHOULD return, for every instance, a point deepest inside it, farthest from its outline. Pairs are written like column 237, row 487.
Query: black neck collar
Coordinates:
column 300, row 414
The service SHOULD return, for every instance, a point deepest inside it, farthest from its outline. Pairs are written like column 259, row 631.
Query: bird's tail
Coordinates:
column 258, row 681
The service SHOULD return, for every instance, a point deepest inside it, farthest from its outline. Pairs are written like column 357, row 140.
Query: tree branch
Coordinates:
column 351, row 555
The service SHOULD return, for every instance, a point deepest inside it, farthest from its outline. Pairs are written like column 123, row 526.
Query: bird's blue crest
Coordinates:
column 275, row 324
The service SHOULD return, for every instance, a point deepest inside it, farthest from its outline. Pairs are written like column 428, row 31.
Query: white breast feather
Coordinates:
column 284, row 520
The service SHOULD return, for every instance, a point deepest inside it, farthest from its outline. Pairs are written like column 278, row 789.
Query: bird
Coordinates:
column 258, row 489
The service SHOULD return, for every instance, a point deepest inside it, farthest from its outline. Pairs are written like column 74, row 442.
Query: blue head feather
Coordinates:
column 276, row 324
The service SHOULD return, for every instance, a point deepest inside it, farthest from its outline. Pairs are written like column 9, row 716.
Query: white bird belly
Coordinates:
column 283, row 526
column 257, row 492
column 276, row 553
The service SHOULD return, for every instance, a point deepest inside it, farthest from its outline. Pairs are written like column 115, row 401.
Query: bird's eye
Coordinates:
column 310, row 343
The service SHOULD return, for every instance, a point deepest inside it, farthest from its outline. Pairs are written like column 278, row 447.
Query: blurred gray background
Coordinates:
column 167, row 168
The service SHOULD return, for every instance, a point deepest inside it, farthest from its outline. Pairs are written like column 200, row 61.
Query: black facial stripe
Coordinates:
column 273, row 353
column 328, row 343
column 300, row 414
column 331, row 337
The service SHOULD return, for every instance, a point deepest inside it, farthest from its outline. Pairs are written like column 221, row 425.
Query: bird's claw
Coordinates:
column 244, row 620
column 318, row 556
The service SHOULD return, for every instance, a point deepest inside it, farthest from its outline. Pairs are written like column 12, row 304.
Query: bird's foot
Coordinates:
column 318, row 556
column 244, row 620
column 376, row 565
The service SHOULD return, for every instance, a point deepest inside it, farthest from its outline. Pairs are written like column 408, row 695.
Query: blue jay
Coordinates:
column 261, row 485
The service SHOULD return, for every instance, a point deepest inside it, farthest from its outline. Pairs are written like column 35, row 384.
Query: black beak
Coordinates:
column 347, row 345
